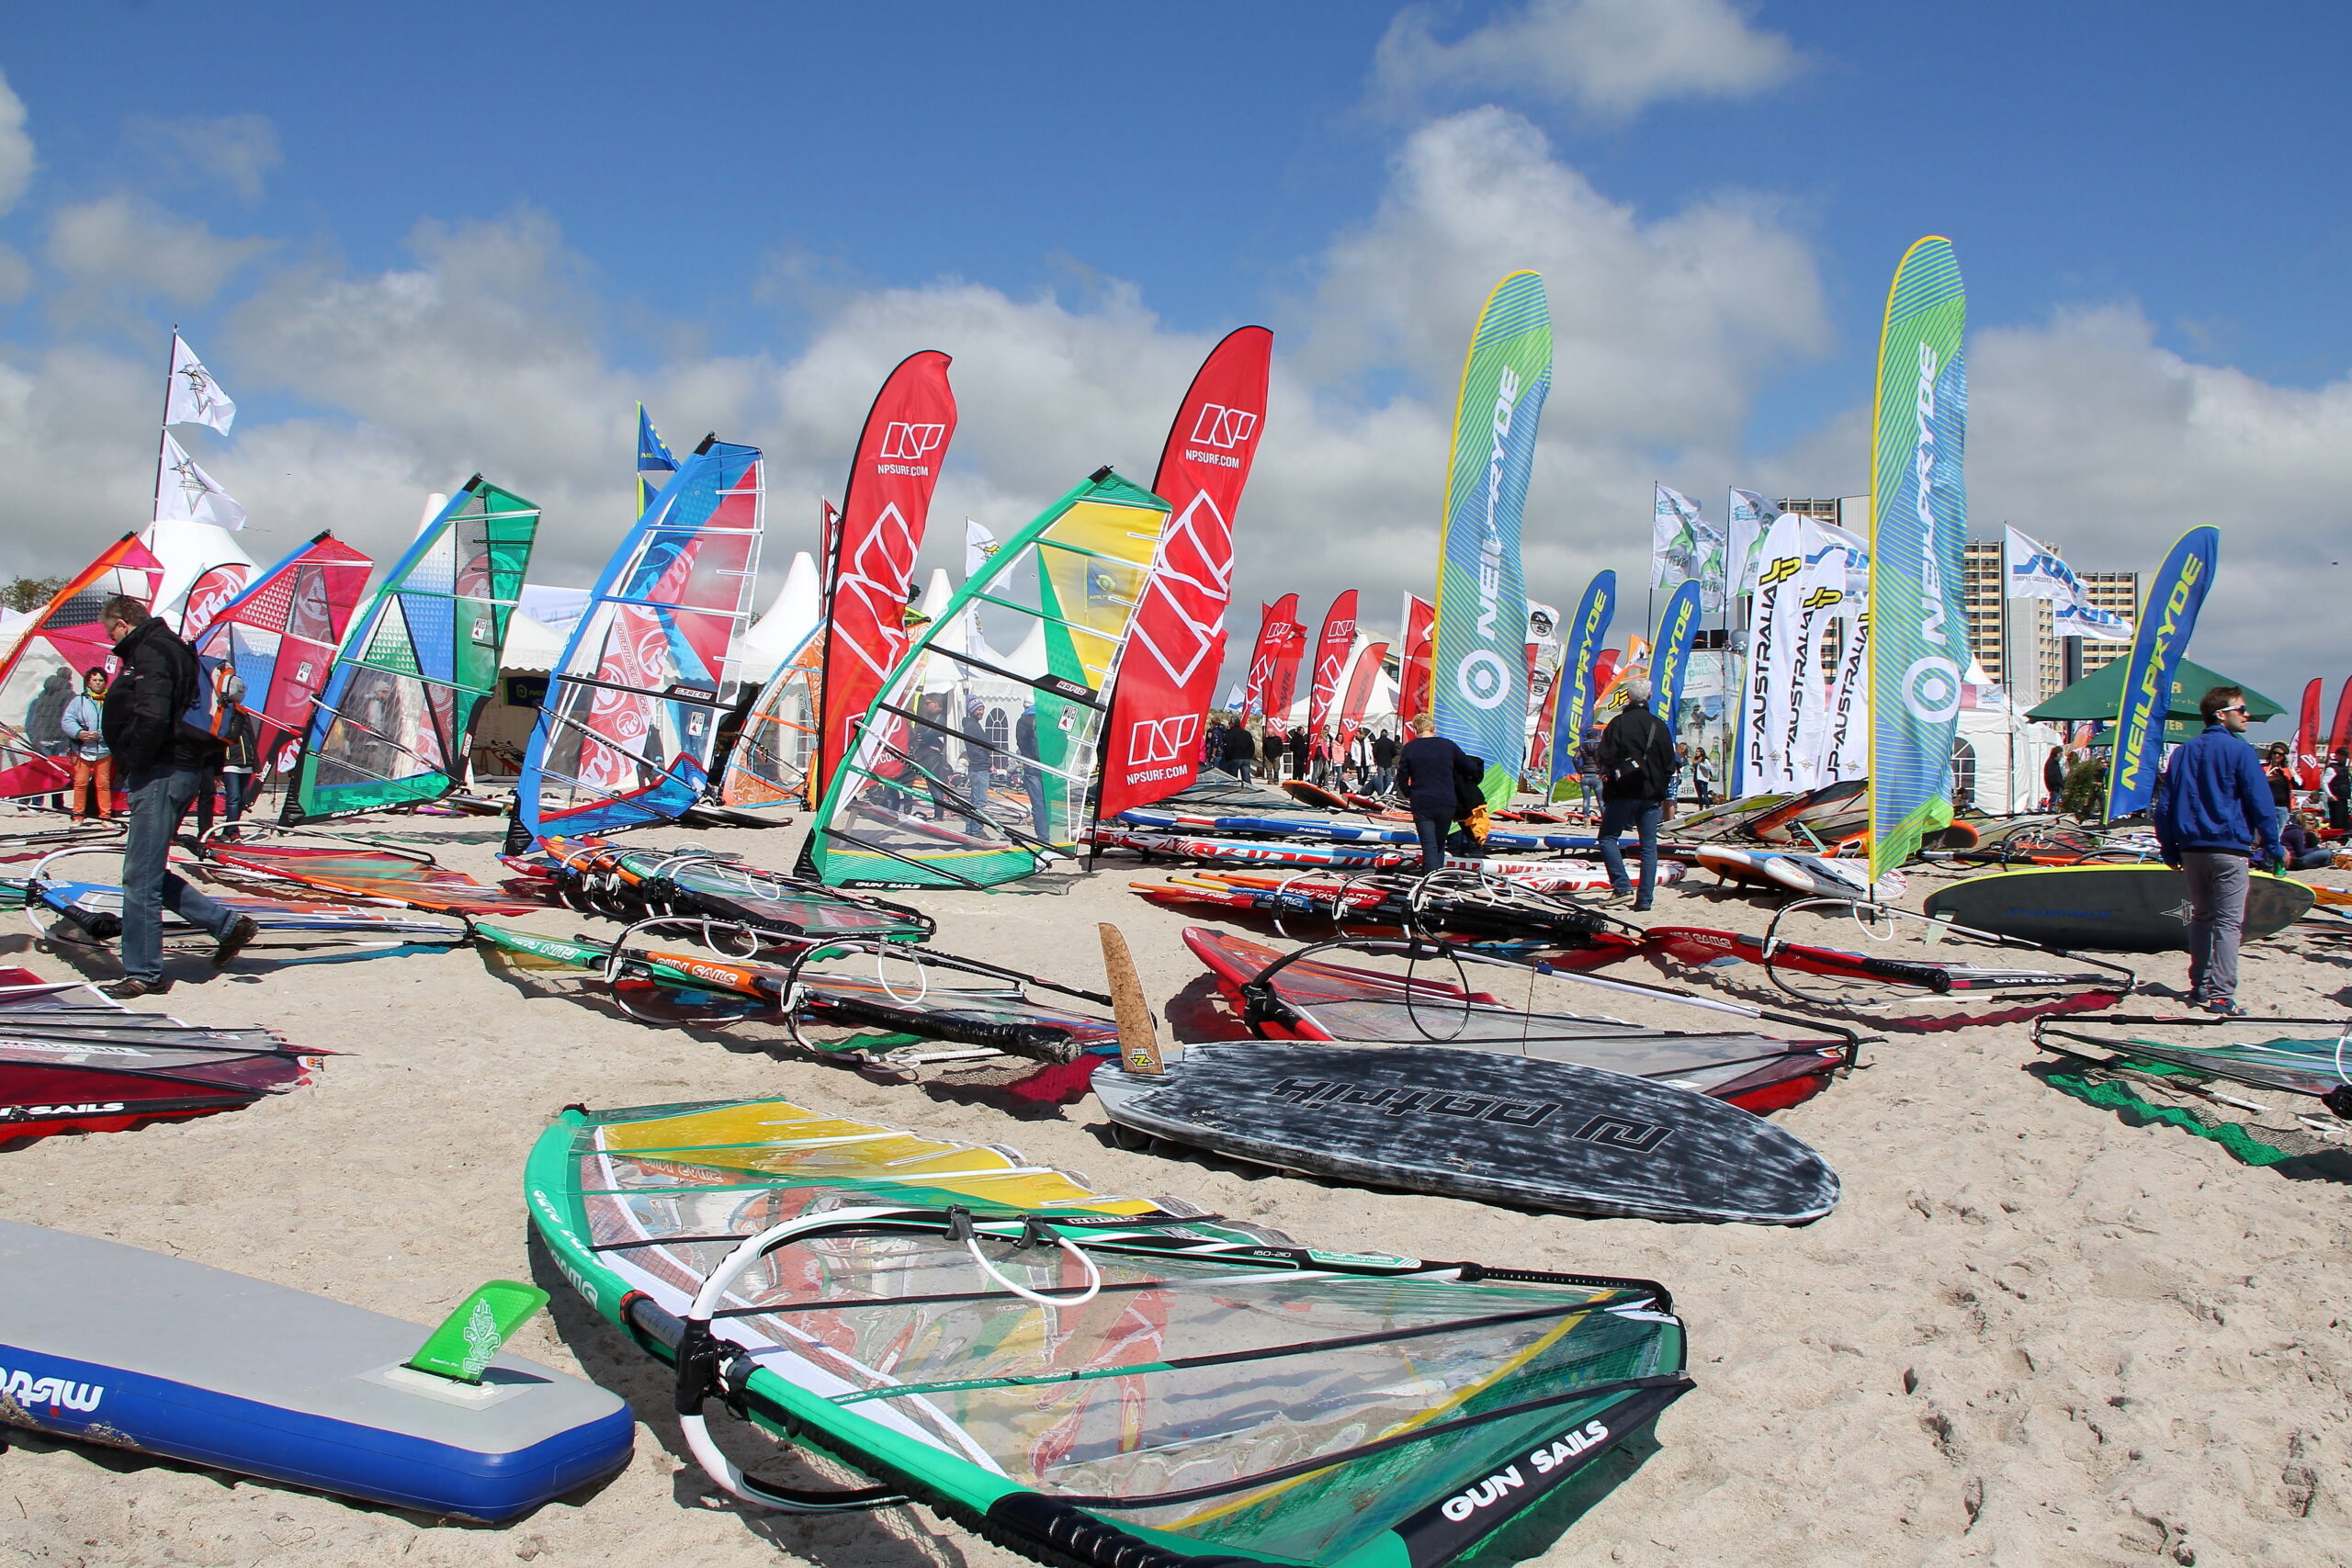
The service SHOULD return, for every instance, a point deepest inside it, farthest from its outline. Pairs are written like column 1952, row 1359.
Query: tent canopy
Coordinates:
column 2100, row 696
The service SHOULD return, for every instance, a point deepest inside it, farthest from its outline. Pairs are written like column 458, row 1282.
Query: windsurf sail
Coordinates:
column 968, row 774
column 362, row 871
column 278, row 637
column 625, row 735
column 208, row 595
column 776, row 748
column 1138, row 1383
column 2314, row 1060
column 392, row 726
column 1168, row 677
column 655, row 462
column 1478, row 680
column 1304, row 995
column 46, row 669
column 73, row 1061
column 870, row 566
column 634, row 885
column 1919, row 648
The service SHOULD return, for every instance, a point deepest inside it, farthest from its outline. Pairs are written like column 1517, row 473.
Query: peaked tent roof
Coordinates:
column 2100, row 696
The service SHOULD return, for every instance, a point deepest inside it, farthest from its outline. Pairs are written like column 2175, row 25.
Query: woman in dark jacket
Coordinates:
column 1429, row 775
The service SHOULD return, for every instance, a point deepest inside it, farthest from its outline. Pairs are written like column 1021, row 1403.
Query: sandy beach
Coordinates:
column 2029, row 1334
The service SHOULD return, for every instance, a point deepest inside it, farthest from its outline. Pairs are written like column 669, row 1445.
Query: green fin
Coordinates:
column 478, row 1330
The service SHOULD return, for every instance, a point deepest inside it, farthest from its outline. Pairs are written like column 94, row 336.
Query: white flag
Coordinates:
column 2035, row 572
column 185, row 493
column 1750, row 515
column 194, row 397
column 979, row 546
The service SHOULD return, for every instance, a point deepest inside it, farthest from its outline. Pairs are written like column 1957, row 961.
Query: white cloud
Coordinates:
column 16, row 275
column 1610, row 58
column 121, row 247
column 15, row 147
column 2085, row 431
column 238, row 150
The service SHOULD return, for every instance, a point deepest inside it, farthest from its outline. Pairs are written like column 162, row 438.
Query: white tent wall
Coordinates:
column 2007, row 749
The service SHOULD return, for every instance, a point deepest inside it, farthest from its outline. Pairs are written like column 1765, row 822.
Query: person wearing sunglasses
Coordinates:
column 2213, row 815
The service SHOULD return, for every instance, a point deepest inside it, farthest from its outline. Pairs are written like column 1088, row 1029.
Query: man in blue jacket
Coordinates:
column 2213, row 812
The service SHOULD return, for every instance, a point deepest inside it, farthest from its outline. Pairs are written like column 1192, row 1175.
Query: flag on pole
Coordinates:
column 979, row 546
column 2176, row 595
column 2035, row 571
column 1685, row 547
column 655, row 463
column 1751, row 514
column 194, row 397
column 185, row 493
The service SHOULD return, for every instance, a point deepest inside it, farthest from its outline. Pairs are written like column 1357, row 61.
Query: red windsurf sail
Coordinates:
column 1276, row 624
column 2339, row 736
column 44, row 672
column 872, row 567
column 1331, row 649
column 1168, row 675
column 279, row 637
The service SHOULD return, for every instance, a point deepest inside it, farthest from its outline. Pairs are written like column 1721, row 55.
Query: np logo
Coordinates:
column 1821, row 598
column 1782, row 570
column 1623, row 1133
column 1222, row 427
column 1162, row 739
column 904, row 443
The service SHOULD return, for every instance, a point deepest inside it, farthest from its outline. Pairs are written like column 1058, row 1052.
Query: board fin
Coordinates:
column 1138, row 1042
column 462, row 1347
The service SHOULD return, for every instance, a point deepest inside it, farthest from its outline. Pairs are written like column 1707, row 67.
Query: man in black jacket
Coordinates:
column 1637, row 761
column 163, row 762
column 1240, row 750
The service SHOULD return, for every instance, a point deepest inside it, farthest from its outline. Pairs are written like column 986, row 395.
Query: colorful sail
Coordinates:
column 45, row 671
column 775, row 749
column 1579, row 664
column 1478, row 680
column 209, row 595
column 1918, row 652
column 1278, row 629
column 1332, row 646
column 967, row 773
column 870, row 563
column 1167, row 679
column 2174, row 596
column 625, row 735
column 1413, row 667
column 279, row 635
column 393, row 724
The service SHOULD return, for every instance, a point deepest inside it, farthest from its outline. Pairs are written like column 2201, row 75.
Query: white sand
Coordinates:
column 2029, row 1335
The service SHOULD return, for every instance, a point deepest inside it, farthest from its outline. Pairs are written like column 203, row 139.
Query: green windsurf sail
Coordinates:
column 1084, row 1379
column 393, row 725
column 970, row 770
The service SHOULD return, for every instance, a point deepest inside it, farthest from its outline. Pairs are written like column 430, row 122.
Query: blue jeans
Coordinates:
column 159, row 799
column 1616, row 816
column 1432, row 831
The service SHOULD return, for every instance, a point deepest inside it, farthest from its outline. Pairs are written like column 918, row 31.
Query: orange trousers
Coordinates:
column 85, row 770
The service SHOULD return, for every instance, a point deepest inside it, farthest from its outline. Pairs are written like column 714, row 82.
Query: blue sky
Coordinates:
column 524, row 217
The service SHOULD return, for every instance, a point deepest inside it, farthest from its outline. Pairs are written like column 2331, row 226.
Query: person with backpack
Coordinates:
column 1636, row 755
column 165, row 761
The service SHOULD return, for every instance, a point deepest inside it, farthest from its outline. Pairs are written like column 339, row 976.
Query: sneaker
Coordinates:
column 130, row 988
column 2224, row 1006
column 233, row 943
column 1641, row 908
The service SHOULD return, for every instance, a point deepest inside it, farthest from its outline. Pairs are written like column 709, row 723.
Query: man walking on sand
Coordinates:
column 2213, row 811
column 164, row 761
